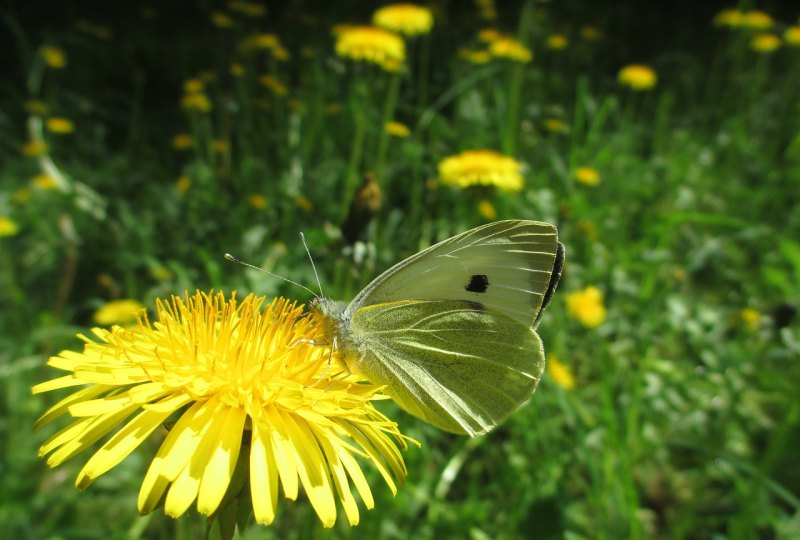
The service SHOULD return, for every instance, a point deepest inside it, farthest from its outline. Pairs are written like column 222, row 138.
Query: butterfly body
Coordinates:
column 450, row 331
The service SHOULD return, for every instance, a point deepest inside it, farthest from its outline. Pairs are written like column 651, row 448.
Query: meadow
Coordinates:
column 141, row 142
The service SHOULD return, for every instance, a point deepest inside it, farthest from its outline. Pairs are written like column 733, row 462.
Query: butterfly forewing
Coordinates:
column 505, row 267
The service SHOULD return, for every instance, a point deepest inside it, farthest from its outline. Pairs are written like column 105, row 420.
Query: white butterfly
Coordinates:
column 450, row 330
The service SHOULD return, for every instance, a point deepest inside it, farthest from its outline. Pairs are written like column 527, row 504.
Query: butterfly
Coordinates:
column 450, row 331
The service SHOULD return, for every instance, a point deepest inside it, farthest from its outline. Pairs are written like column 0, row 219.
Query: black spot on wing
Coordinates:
column 478, row 283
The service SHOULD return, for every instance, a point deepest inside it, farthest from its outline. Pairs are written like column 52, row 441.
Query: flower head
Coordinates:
column 54, row 57
column 765, row 43
column 792, row 36
column 557, row 42
column 475, row 56
column 511, row 49
column 482, row 168
column 750, row 318
column 34, row 148
column 397, row 129
column 371, row 44
column 118, row 312
column 637, row 77
column 242, row 388
column 45, row 182
column 587, row 176
column 8, row 227
column 487, row 210
column 560, row 372
column 756, row 20
column 406, row 19
column 60, row 125
column 728, row 17
column 587, row 307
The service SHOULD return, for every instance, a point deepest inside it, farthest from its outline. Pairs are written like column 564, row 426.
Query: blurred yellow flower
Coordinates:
column 259, row 202
column 35, row 106
column 251, row 395
column 59, row 125
column 273, row 85
column 281, row 53
column 750, row 318
column 183, row 184
column 197, row 102
column 481, row 168
column 45, row 182
column 54, row 57
column 637, row 77
column 486, row 10
column 160, row 272
column 236, row 69
column 488, row 35
column 590, row 33
column 372, row 44
column 182, row 141
column 487, row 210
column 792, row 36
column 397, row 129
column 556, row 125
column 407, row 19
column 587, row 307
column 476, row 57
column 8, row 227
column 34, row 148
column 560, row 372
column 193, row 86
column 248, row 9
column 756, row 20
column 219, row 146
column 587, row 176
column 509, row 48
column 303, row 204
column 557, row 42
column 765, row 43
column 260, row 41
column 587, row 228
column 120, row 312
column 728, row 17
column 21, row 195
column 221, row 19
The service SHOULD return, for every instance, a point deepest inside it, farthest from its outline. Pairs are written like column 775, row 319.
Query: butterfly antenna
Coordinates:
column 310, row 258
column 287, row 280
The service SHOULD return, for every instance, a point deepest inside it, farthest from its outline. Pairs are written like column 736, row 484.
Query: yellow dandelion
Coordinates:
column 728, row 17
column 560, row 372
column 487, row 35
column 244, row 387
column 477, row 57
column 256, row 201
column 183, row 184
column 406, row 19
column 303, row 203
column 236, row 69
column 587, row 307
column 193, row 86
column 487, row 210
column 792, row 36
column 220, row 19
column 54, row 57
column 511, row 49
column 756, row 20
column 765, row 43
column 45, row 182
column 160, row 272
column 637, row 77
column 590, row 33
column 34, row 148
column 372, row 44
column 281, row 54
column 273, row 85
column 557, row 42
column 59, row 126
column 123, row 311
column 750, row 318
column 248, row 9
column 587, row 176
column 260, row 41
column 8, row 227
column 35, row 106
column 196, row 102
column 182, row 141
column 555, row 125
column 481, row 168
column 397, row 129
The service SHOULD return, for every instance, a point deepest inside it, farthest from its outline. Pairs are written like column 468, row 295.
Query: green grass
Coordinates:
column 684, row 421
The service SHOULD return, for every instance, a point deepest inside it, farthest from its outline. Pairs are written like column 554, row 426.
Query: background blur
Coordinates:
column 139, row 142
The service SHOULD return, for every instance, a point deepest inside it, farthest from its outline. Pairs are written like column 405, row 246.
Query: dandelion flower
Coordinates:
column 792, row 36
column 60, row 126
column 182, row 141
column 34, row 148
column 487, row 210
column 243, row 388
column 248, row 9
column 587, row 307
column 637, row 77
column 477, row 57
column 557, row 42
column 221, row 19
column 406, row 19
column 45, row 182
column 560, row 372
column 183, row 184
column 487, row 35
column 511, row 49
column 118, row 312
column 260, row 41
column 765, row 43
column 483, row 168
column 8, row 227
column 590, row 33
column 756, row 20
column 35, row 106
column 750, row 318
column 256, row 201
column 303, row 203
column 556, row 125
column 54, row 57
column 372, row 44
column 273, row 85
column 728, row 17
column 196, row 102
column 397, row 129
column 587, row 176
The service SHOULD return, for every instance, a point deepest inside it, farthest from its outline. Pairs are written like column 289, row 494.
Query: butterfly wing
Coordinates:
column 452, row 363
column 508, row 267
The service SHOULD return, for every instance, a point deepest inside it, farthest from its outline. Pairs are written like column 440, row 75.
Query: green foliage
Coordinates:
column 684, row 421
